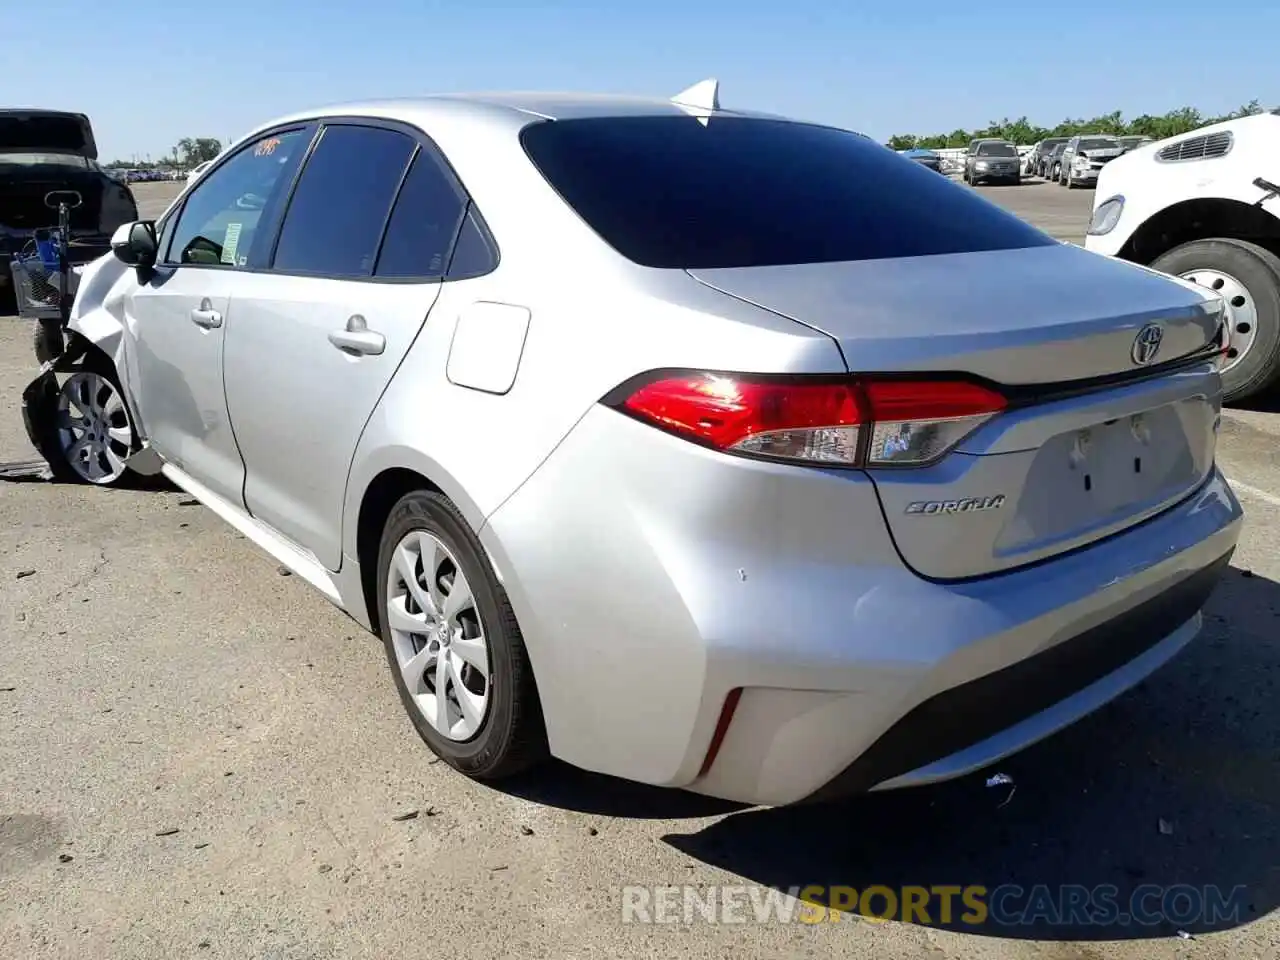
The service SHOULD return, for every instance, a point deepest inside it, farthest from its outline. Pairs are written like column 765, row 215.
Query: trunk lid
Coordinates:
column 22, row 206
column 1092, row 443
column 55, row 131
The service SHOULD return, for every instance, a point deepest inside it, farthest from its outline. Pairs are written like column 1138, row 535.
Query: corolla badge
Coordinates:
column 1146, row 344
column 931, row 508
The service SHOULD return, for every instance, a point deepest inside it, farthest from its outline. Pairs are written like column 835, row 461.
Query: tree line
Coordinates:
column 1022, row 131
column 186, row 153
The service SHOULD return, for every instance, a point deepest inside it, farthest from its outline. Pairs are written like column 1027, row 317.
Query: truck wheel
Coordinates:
column 1247, row 277
column 48, row 341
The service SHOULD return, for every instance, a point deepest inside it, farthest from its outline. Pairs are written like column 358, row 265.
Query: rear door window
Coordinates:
column 335, row 219
column 424, row 223
column 667, row 191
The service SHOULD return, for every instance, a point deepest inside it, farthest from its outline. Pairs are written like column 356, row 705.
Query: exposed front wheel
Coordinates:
column 89, row 433
column 455, row 649
column 1247, row 277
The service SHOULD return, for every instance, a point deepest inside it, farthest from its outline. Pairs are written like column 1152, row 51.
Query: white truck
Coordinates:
column 1205, row 206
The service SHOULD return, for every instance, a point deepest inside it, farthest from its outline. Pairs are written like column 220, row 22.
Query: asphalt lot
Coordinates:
column 202, row 758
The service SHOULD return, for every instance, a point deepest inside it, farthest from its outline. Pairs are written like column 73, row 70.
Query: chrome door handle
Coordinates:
column 205, row 316
column 358, row 339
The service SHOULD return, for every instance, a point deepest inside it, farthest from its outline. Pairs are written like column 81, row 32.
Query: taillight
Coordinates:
column 859, row 422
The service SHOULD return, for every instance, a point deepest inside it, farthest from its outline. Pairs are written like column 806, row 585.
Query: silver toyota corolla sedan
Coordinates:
column 699, row 447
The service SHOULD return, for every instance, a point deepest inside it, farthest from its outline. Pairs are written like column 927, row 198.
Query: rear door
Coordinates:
column 356, row 269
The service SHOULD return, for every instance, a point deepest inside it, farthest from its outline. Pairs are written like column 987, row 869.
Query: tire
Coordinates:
column 510, row 736
column 48, row 340
column 1258, row 271
column 111, row 426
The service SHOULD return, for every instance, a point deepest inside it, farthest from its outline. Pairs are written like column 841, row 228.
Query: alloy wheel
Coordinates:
column 438, row 638
column 1242, row 312
column 94, row 433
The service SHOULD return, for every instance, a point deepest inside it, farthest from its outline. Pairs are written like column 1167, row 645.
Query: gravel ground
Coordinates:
column 202, row 758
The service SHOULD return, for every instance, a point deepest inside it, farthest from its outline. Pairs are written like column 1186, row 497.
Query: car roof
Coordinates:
column 516, row 108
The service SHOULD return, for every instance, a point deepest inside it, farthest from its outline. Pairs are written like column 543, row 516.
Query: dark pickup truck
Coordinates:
column 46, row 150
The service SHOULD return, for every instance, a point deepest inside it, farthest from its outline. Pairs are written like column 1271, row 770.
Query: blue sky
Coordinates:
column 150, row 73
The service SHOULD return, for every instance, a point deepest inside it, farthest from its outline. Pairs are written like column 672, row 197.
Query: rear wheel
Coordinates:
column 455, row 649
column 1247, row 277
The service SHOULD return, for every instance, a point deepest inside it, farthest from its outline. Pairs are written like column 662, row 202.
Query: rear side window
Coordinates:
column 423, row 224
column 475, row 253
column 666, row 191
column 340, row 206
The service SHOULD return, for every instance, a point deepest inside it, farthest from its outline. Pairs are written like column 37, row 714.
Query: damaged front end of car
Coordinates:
column 92, row 337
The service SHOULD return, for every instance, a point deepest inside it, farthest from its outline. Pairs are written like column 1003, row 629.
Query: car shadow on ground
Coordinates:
column 1267, row 402
column 37, row 471
column 1158, row 814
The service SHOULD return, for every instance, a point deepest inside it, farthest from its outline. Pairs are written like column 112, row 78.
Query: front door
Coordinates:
column 179, row 318
column 318, row 336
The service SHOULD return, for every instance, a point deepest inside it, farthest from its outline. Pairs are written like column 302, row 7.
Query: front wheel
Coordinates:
column 455, row 649
column 90, row 433
column 1247, row 277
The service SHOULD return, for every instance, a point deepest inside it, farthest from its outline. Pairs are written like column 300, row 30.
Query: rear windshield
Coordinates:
column 668, row 192
column 996, row 150
column 1099, row 143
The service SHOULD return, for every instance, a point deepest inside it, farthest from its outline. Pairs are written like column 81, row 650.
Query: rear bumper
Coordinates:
column 976, row 723
column 646, row 601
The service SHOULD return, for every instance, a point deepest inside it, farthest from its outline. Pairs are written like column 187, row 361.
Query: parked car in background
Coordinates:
column 359, row 336
column 1040, row 154
column 926, row 158
column 1053, row 161
column 1083, row 157
column 1205, row 206
column 42, row 151
column 992, row 161
column 198, row 169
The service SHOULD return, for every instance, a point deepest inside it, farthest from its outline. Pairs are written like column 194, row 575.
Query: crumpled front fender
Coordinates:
column 97, row 314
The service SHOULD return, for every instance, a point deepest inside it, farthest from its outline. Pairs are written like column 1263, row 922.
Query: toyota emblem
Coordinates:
column 1146, row 344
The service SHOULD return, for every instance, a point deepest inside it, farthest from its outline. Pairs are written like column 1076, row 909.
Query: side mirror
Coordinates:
column 135, row 243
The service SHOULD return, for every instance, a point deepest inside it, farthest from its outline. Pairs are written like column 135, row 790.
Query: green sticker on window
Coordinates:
column 229, row 245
